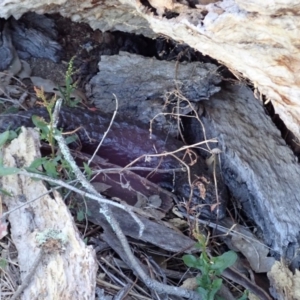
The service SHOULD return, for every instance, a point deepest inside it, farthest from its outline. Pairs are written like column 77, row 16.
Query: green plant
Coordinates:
column 3, row 263
column 211, row 268
column 6, row 136
column 52, row 165
column 46, row 128
column 70, row 86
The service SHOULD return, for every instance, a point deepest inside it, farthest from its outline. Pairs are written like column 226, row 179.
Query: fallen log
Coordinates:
column 258, row 167
column 62, row 267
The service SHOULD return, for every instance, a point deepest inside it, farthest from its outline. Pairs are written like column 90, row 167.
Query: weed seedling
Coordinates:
column 70, row 86
column 209, row 283
column 52, row 165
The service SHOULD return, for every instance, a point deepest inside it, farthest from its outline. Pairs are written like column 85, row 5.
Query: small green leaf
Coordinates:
column 40, row 123
column 37, row 162
column 3, row 263
column 87, row 170
column 80, row 216
column 70, row 139
column 12, row 135
column 6, row 193
column 204, row 281
column 8, row 171
column 202, row 264
column 202, row 292
column 50, row 167
column 4, row 136
column 220, row 263
column 215, row 287
column 57, row 132
column 190, row 260
column 198, row 245
column 56, row 159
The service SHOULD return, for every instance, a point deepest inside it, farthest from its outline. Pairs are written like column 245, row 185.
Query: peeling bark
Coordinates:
column 258, row 40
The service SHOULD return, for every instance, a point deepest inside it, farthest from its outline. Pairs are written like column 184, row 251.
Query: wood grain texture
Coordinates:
column 68, row 273
column 259, row 168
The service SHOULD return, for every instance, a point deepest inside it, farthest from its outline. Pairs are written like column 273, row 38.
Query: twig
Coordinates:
column 106, row 132
column 118, row 170
column 227, row 231
column 171, row 152
column 98, row 198
column 114, row 287
column 16, row 102
column 121, row 274
column 152, row 284
column 79, row 175
column 187, row 168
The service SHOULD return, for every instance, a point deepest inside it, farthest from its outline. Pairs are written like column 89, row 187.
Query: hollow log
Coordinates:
column 256, row 40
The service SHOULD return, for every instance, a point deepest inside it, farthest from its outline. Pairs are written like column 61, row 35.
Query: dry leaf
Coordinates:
column 202, row 189
column 177, row 213
column 5, row 79
column 100, row 186
column 141, row 200
column 178, row 223
column 47, row 85
column 255, row 252
column 14, row 90
column 247, row 243
column 154, row 201
column 16, row 65
column 25, row 72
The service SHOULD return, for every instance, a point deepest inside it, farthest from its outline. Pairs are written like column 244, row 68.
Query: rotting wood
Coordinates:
column 258, row 167
column 66, row 274
column 257, row 40
column 138, row 81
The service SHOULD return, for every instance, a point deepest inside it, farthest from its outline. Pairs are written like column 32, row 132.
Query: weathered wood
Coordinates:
column 155, row 233
column 258, row 40
column 65, row 272
column 258, row 167
column 143, row 86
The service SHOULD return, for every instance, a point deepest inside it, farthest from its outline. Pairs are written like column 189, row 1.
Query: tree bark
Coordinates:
column 256, row 40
